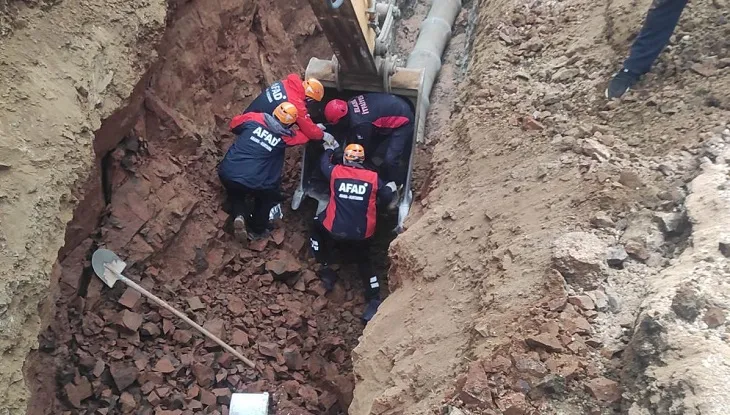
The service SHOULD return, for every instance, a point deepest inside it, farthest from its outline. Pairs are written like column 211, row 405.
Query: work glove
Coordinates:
column 321, row 127
column 329, row 142
column 391, row 185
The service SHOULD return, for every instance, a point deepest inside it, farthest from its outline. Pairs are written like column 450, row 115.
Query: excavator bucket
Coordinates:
column 404, row 83
column 356, row 69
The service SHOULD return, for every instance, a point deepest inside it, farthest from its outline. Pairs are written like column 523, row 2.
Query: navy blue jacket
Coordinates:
column 256, row 158
column 377, row 113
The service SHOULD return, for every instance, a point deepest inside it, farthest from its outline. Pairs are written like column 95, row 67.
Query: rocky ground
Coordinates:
column 523, row 283
column 565, row 254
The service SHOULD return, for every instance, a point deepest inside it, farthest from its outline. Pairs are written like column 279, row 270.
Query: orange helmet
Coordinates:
column 286, row 113
column 354, row 153
column 313, row 89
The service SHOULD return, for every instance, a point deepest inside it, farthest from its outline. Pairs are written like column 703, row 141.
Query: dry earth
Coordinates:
column 565, row 256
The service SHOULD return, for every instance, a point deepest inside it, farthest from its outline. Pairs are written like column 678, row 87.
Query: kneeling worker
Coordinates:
column 349, row 219
column 253, row 165
column 376, row 114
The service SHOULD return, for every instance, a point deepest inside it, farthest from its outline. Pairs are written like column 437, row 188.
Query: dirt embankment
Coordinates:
column 551, row 222
column 63, row 70
column 551, row 214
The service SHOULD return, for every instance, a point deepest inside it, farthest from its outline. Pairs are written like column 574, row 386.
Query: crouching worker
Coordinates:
column 252, row 167
column 348, row 222
column 299, row 93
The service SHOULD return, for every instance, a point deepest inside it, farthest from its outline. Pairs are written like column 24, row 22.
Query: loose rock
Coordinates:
column 579, row 257
column 204, row 375
column 671, row 223
column 616, row 256
column 596, row 150
column 195, row 304
column 545, row 341
column 724, row 246
column 714, row 317
column 129, row 298
column 583, row 301
column 687, row 303
column 164, row 365
column 604, row 390
column 123, row 375
column 602, row 220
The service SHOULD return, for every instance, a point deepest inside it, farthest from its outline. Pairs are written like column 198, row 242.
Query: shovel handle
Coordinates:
column 185, row 318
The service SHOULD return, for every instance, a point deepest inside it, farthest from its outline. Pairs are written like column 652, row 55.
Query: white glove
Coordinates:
column 328, row 138
column 329, row 143
column 321, row 127
column 391, row 186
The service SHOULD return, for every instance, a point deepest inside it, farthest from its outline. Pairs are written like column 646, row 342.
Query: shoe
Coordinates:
column 621, row 83
column 371, row 309
column 239, row 228
column 328, row 277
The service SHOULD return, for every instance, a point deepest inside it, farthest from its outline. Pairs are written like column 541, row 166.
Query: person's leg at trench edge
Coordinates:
column 264, row 200
column 399, row 141
column 237, row 194
column 660, row 22
column 321, row 245
column 370, row 279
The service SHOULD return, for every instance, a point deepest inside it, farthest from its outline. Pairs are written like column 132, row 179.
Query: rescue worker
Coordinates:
column 253, row 165
column 297, row 92
column 374, row 115
column 349, row 219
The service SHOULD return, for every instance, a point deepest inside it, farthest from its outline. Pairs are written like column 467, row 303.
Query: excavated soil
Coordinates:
column 565, row 255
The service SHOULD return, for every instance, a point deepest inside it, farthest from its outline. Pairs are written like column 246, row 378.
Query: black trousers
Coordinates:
column 324, row 247
column 256, row 213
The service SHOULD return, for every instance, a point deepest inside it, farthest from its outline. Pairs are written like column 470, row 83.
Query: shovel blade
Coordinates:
column 103, row 262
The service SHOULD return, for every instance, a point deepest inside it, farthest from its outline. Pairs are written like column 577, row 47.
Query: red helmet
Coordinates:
column 335, row 110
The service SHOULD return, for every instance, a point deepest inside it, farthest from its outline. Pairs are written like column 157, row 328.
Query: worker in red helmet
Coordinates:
column 253, row 165
column 294, row 90
column 374, row 115
column 348, row 222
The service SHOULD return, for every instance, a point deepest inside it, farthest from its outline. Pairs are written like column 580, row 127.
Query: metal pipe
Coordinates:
column 435, row 33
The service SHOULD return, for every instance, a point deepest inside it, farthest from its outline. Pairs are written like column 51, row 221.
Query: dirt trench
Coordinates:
column 155, row 199
column 548, row 267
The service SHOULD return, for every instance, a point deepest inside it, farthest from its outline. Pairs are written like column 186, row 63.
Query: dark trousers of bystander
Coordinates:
column 659, row 25
column 358, row 252
column 257, row 216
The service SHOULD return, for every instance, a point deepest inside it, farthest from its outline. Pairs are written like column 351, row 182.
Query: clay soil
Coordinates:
column 545, row 259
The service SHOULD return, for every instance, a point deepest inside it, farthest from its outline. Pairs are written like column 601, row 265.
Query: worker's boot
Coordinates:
column 370, row 309
column 239, row 228
column 328, row 277
column 621, row 83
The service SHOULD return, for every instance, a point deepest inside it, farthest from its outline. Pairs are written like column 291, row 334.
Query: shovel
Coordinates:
column 108, row 266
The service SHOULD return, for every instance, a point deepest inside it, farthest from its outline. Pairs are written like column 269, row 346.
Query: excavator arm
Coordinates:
column 361, row 34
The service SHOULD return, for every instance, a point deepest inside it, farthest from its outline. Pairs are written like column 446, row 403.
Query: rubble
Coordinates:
column 604, row 390
column 129, row 298
column 616, row 256
column 596, row 150
column 602, row 220
column 714, row 317
column 687, row 302
column 545, row 341
column 579, row 257
column 124, row 375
